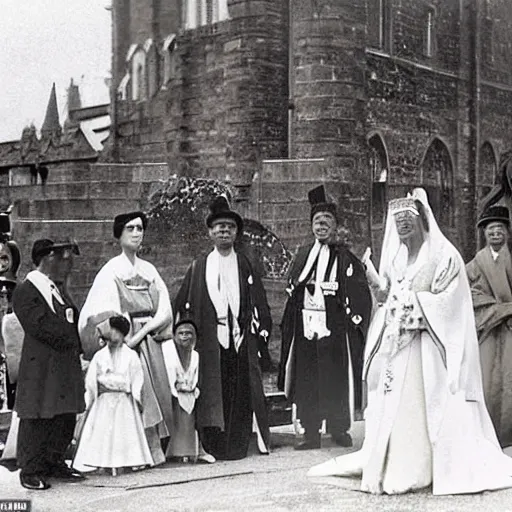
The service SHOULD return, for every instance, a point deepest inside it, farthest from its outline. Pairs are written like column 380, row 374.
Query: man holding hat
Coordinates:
column 230, row 309
column 325, row 320
column 50, row 388
column 490, row 277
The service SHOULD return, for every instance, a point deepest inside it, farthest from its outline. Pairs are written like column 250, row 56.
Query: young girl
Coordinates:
column 113, row 434
column 182, row 364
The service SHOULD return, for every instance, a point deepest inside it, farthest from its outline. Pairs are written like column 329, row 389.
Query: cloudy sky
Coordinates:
column 46, row 41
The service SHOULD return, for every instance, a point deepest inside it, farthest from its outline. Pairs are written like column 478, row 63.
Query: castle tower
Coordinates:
column 328, row 99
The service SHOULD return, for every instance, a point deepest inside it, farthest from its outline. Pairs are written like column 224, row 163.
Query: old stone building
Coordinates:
column 370, row 96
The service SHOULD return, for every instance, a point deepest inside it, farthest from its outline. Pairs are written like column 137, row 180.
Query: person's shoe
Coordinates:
column 309, row 443
column 206, row 459
column 343, row 439
column 63, row 472
column 34, row 482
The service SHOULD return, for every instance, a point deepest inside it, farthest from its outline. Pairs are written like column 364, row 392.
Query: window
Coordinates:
column 486, row 176
column 429, row 34
column 379, row 24
column 138, row 72
column 487, row 34
column 153, row 70
column 167, row 51
column 437, row 179
column 203, row 12
column 378, row 162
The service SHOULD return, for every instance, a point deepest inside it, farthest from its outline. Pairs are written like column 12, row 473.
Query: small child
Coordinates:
column 182, row 364
column 113, row 434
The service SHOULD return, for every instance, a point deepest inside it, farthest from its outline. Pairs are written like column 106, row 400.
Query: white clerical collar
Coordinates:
column 494, row 253
column 231, row 254
column 47, row 288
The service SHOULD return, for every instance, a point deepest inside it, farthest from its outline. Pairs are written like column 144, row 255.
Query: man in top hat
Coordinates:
column 50, row 389
column 229, row 306
column 490, row 277
column 325, row 321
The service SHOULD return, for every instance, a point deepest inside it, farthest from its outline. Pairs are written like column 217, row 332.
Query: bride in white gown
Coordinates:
column 426, row 421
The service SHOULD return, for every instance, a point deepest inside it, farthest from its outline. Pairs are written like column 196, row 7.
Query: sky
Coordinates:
column 47, row 41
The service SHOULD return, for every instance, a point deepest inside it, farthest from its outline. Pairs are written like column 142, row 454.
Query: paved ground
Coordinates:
column 276, row 482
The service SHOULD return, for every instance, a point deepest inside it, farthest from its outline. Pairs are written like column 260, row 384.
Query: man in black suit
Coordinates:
column 50, row 388
column 324, row 323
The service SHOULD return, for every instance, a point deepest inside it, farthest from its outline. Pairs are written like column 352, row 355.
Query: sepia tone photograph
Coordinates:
column 256, row 255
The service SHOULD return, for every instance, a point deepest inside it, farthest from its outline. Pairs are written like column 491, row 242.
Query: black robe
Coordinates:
column 230, row 383
column 319, row 368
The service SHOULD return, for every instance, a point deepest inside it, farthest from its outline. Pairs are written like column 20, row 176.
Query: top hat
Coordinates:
column 319, row 203
column 45, row 246
column 494, row 214
column 122, row 219
column 219, row 209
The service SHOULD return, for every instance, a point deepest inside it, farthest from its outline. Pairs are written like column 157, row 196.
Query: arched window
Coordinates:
column 138, row 67
column 152, row 67
column 168, row 48
column 487, row 171
column 437, row 179
column 378, row 163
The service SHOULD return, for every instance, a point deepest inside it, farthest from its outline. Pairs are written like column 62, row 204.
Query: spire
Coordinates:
column 51, row 121
column 74, row 100
column 74, row 103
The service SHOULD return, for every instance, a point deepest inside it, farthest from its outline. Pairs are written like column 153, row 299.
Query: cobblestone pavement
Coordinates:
column 276, row 482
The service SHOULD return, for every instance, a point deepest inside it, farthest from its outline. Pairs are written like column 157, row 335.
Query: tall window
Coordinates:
column 139, row 79
column 487, row 36
column 379, row 24
column 153, row 72
column 378, row 162
column 487, row 171
column 429, row 33
column 168, row 48
column 437, row 179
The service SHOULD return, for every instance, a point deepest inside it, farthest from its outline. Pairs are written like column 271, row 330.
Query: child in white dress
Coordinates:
column 182, row 364
column 113, row 434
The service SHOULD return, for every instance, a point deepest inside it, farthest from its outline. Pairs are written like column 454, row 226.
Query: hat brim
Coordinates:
column 226, row 215
column 66, row 245
column 483, row 222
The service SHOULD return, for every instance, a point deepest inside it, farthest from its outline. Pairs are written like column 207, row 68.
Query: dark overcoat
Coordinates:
column 209, row 407
column 348, row 311
column 50, row 380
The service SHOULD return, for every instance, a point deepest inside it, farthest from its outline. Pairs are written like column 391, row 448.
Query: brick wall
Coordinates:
column 225, row 107
column 227, row 104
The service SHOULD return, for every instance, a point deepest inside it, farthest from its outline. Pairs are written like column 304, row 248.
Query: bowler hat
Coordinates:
column 219, row 209
column 45, row 246
column 494, row 214
column 122, row 219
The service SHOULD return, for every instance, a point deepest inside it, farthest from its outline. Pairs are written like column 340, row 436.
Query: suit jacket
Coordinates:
column 50, row 380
